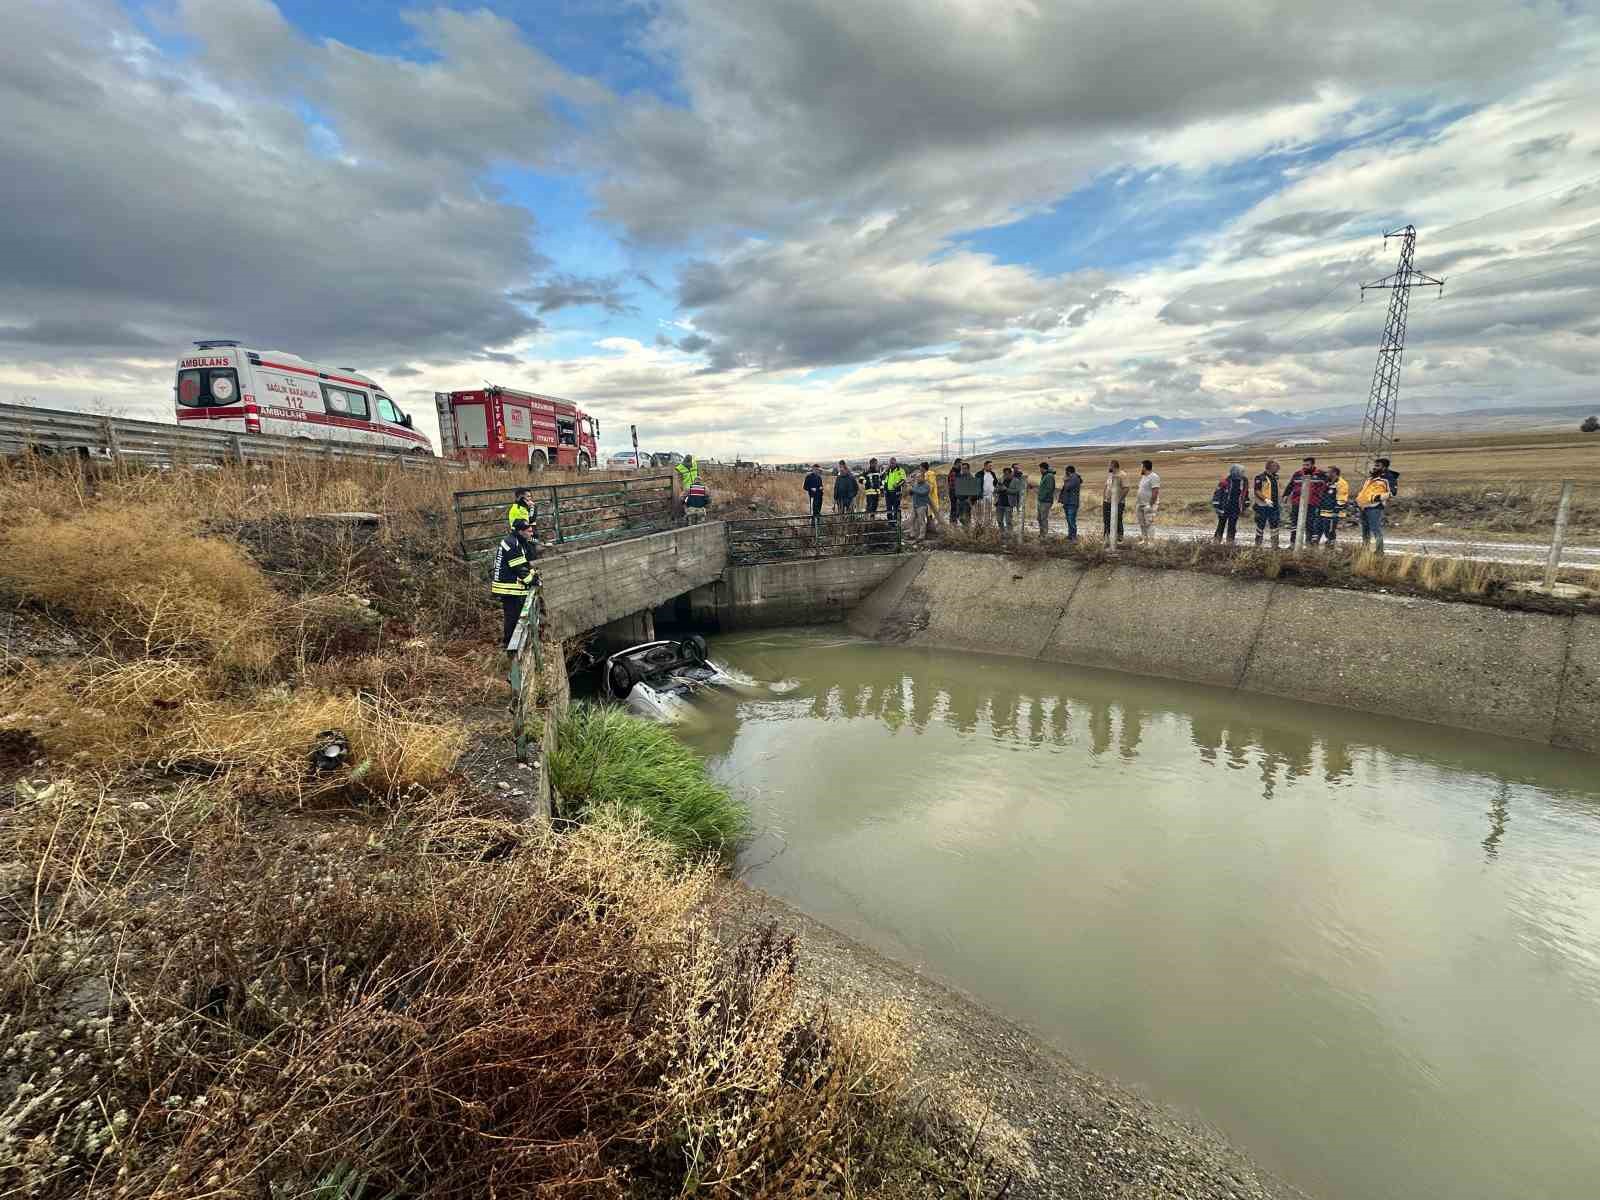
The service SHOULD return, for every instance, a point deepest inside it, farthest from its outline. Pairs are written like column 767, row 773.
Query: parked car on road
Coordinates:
column 627, row 460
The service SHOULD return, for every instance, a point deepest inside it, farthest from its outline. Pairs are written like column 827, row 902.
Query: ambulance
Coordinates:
column 231, row 389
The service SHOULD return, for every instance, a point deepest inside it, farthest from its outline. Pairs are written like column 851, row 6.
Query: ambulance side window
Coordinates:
column 387, row 411
column 345, row 402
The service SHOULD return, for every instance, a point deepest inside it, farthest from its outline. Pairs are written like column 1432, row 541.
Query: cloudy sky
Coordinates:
column 800, row 228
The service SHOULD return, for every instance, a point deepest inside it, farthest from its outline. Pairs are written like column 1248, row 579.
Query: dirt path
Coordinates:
column 1080, row 1135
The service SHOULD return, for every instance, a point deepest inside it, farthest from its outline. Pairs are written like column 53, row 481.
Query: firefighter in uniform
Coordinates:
column 514, row 576
column 872, row 486
column 520, row 509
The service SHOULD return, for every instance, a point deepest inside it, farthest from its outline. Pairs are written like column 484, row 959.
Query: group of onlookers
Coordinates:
column 1325, row 495
column 991, row 499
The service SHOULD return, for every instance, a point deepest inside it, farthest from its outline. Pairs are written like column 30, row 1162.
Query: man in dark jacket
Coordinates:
column 1071, row 493
column 1047, row 497
column 514, row 575
column 813, row 487
column 872, row 485
column 950, row 490
column 1307, row 484
column 845, row 488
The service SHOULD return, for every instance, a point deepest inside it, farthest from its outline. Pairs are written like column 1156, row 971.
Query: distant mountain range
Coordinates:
column 1153, row 428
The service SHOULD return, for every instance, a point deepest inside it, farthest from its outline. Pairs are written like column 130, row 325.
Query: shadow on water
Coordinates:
column 1368, row 948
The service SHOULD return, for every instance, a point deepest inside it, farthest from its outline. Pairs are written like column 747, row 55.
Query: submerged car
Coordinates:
column 654, row 679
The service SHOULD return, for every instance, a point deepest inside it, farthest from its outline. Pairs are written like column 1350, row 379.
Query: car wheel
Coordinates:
column 537, row 461
column 621, row 681
column 695, row 646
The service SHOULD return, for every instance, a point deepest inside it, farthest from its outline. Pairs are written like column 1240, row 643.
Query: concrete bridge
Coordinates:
column 617, row 587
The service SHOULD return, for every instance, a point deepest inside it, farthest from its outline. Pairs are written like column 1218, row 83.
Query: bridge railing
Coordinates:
column 586, row 512
column 832, row 535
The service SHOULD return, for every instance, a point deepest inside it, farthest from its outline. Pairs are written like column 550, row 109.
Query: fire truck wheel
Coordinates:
column 583, row 462
column 537, row 461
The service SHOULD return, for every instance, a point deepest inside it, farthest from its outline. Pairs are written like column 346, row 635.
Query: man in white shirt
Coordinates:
column 1149, row 498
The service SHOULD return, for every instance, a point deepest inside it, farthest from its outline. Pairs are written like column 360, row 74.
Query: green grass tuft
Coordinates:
column 606, row 758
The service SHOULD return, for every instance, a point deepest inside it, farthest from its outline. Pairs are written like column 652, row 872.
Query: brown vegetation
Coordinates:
column 1347, row 566
column 230, row 973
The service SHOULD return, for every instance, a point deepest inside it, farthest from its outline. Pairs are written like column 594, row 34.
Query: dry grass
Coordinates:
column 1348, row 566
column 215, row 986
column 142, row 578
column 552, row 1022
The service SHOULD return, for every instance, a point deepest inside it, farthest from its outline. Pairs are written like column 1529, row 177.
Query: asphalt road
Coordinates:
column 1497, row 552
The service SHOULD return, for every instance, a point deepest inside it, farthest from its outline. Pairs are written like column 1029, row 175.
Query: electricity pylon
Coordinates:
column 1377, row 427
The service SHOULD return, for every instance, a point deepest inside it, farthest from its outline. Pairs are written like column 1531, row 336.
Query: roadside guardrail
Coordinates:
column 25, row 429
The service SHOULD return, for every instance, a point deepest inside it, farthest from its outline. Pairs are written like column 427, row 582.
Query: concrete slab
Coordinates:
column 868, row 617
column 983, row 602
column 1170, row 624
column 1577, row 719
column 1464, row 665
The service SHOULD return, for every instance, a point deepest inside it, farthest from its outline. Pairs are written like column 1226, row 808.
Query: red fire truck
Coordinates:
column 503, row 427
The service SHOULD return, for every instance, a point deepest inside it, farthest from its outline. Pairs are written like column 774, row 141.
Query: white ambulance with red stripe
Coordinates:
column 226, row 387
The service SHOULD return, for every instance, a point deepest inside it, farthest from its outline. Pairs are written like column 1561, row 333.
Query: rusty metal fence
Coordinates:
column 586, row 512
column 832, row 535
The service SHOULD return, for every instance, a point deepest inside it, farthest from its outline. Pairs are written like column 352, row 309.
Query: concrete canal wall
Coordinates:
column 1527, row 675
column 809, row 591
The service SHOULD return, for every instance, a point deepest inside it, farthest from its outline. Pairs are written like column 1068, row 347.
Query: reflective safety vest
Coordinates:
column 687, row 475
column 513, row 567
column 893, row 480
column 518, row 512
column 872, row 482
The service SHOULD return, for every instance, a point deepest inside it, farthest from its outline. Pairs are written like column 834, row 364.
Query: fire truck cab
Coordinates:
column 503, row 427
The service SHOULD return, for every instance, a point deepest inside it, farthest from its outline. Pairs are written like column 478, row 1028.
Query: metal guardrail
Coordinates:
column 588, row 511
column 832, row 535
column 24, row 429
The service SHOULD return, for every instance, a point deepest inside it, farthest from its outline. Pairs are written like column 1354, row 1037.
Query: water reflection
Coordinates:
column 1321, row 929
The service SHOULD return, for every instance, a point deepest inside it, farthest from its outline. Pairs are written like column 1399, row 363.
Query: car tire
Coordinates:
column 695, row 645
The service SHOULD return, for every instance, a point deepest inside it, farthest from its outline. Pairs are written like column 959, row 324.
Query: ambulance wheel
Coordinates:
column 537, row 461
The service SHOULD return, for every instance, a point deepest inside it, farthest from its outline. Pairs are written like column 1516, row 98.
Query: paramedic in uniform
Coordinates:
column 514, row 575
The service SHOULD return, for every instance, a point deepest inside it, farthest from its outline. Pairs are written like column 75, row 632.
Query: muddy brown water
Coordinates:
column 1366, row 949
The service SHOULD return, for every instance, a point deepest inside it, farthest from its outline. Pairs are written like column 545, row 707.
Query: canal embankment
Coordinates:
column 1528, row 675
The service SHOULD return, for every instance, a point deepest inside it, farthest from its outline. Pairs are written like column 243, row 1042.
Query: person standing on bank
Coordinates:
column 1017, row 498
column 813, row 489
column 950, row 486
column 1116, row 492
column 1002, row 502
column 932, row 477
column 921, row 504
column 1374, row 494
column 1046, row 497
column 687, row 475
column 986, row 502
column 1230, row 500
column 872, row 486
column 514, row 576
column 1071, row 493
column 1335, row 498
column 893, row 480
column 520, row 509
column 1305, row 486
column 1264, row 496
column 1149, row 499
column 844, row 489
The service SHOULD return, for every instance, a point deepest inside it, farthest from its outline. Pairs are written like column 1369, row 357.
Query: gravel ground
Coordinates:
column 1085, row 1135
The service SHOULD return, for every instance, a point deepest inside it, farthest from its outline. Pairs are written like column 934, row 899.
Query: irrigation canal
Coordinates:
column 1366, row 949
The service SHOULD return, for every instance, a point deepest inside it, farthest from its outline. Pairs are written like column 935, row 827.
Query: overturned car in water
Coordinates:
column 654, row 679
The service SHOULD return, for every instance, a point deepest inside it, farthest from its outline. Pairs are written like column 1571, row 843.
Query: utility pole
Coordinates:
column 944, row 441
column 1377, row 427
